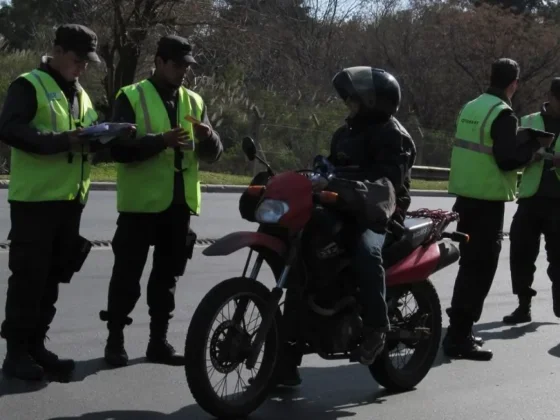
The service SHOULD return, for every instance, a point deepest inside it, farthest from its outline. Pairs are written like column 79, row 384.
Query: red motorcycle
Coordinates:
column 301, row 244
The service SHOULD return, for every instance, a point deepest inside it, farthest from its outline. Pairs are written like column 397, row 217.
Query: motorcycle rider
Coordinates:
column 373, row 140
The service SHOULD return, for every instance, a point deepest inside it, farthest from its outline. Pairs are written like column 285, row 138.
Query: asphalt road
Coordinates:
column 220, row 214
column 520, row 383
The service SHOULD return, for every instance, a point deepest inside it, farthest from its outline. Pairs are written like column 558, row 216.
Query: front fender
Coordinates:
column 238, row 240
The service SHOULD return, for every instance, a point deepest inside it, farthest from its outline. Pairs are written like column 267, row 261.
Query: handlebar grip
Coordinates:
column 397, row 229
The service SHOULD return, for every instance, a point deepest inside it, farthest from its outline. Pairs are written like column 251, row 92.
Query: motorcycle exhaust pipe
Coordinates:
column 448, row 254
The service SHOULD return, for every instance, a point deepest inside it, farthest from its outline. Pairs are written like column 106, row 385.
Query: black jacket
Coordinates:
column 208, row 150
column 550, row 185
column 509, row 148
column 380, row 149
column 19, row 110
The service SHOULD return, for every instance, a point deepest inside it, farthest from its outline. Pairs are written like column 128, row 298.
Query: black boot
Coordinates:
column 289, row 377
column 556, row 299
column 477, row 340
column 460, row 343
column 49, row 361
column 521, row 314
column 372, row 345
column 115, row 353
column 19, row 363
column 159, row 349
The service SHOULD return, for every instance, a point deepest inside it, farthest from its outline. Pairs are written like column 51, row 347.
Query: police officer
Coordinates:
column 158, row 189
column 538, row 213
column 487, row 152
column 44, row 111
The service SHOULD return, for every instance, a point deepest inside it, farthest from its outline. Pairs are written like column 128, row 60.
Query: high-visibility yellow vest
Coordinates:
column 474, row 172
column 532, row 173
column 57, row 177
column 147, row 186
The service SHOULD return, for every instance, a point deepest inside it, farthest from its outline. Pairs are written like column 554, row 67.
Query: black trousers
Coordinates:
column 44, row 237
column 535, row 216
column 173, row 242
column 483, row 221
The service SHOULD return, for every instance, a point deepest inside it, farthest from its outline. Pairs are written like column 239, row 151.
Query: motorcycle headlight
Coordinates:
column 270, row 211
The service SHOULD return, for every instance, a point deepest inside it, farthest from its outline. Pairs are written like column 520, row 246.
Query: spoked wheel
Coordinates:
column 416, row 309
column 218, row 343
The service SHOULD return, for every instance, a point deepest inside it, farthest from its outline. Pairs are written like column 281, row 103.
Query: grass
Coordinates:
column 107, row 172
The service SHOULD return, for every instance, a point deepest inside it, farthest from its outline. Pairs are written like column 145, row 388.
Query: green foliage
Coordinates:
column 14, row 64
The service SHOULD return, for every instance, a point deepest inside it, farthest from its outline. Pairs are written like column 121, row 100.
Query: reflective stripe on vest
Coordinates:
column 474, row 172
column 60, row 177
column 147, row 186
column 532, row 173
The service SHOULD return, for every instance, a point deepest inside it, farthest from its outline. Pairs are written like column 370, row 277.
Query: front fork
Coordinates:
column 272, row 306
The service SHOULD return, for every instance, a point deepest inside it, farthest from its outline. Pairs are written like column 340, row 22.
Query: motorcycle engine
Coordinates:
column 340, row 333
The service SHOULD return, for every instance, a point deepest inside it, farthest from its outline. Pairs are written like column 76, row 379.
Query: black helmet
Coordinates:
column 377, row 90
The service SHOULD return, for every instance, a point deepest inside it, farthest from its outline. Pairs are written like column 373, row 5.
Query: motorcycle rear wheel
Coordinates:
column 404, row 379
column 200, row 339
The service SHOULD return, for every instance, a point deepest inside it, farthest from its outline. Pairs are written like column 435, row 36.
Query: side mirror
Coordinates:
column 249, row 148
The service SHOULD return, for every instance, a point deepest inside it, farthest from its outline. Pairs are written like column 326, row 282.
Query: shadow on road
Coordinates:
column 327, row 393
column 510, row 333
column 555, row 351
column 84, row 368
column 10, row 386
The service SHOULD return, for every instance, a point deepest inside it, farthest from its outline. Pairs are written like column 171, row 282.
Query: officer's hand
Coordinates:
column 74, row 137
column 202, row 131
column 537, row 157
column 545, row 141
column 177, row 137
column 127, row 133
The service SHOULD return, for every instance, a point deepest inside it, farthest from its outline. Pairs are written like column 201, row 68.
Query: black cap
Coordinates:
column 79, row 39
column 555, row 87
column 176, row 48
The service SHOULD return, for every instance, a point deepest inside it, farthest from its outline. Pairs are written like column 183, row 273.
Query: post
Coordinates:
column 419, row 140
column 255, row 131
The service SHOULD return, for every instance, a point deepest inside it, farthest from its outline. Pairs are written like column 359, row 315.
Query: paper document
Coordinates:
column 192, row 120
column 104, row 132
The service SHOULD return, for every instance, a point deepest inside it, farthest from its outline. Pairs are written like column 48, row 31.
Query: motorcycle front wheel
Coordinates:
column 217, row 346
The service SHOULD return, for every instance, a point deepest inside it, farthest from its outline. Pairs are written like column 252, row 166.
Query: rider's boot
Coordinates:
column 372, row 345
column 521, row 314
column 288, row 372
column 159, row 349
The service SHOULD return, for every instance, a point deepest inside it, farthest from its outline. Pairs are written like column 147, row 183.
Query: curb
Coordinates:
column 232, row 189
column 100, row 244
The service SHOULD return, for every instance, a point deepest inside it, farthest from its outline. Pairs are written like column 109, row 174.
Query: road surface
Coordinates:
column 521, row 382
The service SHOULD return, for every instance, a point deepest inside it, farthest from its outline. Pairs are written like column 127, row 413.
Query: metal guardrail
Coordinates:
column 433, row 173
column 430, row 173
